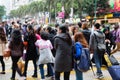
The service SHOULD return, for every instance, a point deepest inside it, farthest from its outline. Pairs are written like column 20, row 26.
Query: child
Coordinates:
column 46, row 56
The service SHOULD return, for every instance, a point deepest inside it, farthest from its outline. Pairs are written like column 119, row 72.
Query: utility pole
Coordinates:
column 95, row 10
column 95, row 15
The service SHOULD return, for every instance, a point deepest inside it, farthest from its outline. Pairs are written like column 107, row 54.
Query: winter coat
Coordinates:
column 86, row 34
column 31, row 52
column 16, row 50
column 118, row 35
column 51, row 38
column 45, row 47
column 63, row 58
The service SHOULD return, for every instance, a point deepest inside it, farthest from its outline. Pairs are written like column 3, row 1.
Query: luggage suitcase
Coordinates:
column 114, row 72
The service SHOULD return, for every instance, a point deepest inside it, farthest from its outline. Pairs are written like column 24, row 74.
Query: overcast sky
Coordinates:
column 7, row 4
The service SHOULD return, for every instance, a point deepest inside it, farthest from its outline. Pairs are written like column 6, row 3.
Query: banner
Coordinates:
column 111, row 2
column 117, row 5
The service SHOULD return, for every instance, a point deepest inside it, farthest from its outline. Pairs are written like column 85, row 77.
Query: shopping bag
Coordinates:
column 113, row 60
column 21, row 65
column 7, row 53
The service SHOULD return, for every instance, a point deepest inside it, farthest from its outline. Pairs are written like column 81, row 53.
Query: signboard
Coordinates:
column 115, row 5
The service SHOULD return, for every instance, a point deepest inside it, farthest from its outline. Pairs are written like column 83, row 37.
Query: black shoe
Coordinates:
column 2, row 72
column 47, row 75
column 24, row 75
column 35, row 76
column 12, row 78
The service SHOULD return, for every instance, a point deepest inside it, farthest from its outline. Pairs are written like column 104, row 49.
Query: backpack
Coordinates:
column 101, row 47
column 83, row 64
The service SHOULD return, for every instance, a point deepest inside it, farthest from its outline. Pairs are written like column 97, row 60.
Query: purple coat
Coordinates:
column 118, row 35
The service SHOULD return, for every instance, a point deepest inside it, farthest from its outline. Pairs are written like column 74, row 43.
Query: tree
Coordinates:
column 102, row 7
column 54, row 6
column 2, row 11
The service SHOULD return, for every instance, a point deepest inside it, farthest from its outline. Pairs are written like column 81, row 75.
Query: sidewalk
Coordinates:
column 87, row 76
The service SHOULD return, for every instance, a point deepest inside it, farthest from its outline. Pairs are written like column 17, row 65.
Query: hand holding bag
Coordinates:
column 7, row 52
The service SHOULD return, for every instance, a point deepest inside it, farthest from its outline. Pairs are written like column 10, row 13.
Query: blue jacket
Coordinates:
column 78, row 49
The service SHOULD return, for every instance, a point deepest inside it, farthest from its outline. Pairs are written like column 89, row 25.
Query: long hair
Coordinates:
column 2, row 35
column 31, row 33
column 79, row 37
column 16, row 37
column 38, row 30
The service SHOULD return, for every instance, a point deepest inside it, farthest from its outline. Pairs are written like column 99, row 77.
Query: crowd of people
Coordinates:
column 53, row 46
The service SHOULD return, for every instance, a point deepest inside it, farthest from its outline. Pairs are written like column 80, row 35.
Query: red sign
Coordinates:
column 117, row 5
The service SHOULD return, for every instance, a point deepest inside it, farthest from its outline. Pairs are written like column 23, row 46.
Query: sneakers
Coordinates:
column 2, row 72
column 100, row 76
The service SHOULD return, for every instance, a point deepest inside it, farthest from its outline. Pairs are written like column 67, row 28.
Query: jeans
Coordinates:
column 3, row 63
column 41, row 66
column 98, row 61
column 79, row 75
column 66, row 75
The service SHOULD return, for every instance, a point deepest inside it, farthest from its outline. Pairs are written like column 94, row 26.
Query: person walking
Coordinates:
column 16, row 46
column 63, row 58
column 79, row 40
column 3, row 42
column 31, row 52
column 97, row 37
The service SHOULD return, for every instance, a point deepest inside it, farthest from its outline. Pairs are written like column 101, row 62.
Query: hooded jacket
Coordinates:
column 63, row 58
column 100, row 38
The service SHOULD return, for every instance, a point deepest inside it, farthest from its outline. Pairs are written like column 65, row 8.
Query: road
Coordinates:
column 87, row 76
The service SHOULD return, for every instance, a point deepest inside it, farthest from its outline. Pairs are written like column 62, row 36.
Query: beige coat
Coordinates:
column 2, row 47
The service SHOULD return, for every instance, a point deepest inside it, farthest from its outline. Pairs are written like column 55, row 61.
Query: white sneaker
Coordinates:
column 100, row 76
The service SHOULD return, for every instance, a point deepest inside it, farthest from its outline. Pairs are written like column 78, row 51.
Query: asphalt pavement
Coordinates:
column 87, row 75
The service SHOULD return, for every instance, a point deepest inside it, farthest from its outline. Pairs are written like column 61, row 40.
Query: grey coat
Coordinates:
column 93, row 43
column 63, row 58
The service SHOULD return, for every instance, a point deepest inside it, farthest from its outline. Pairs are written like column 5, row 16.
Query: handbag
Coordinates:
column 7, row 53
column 21, row 65
column 101, row 47
column 113, row 60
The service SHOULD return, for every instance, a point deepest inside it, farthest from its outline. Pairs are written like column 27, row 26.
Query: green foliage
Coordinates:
column 2, row 11
column 54, row 6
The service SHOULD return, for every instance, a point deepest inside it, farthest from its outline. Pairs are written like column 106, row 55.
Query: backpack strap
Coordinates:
column 96, row 38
